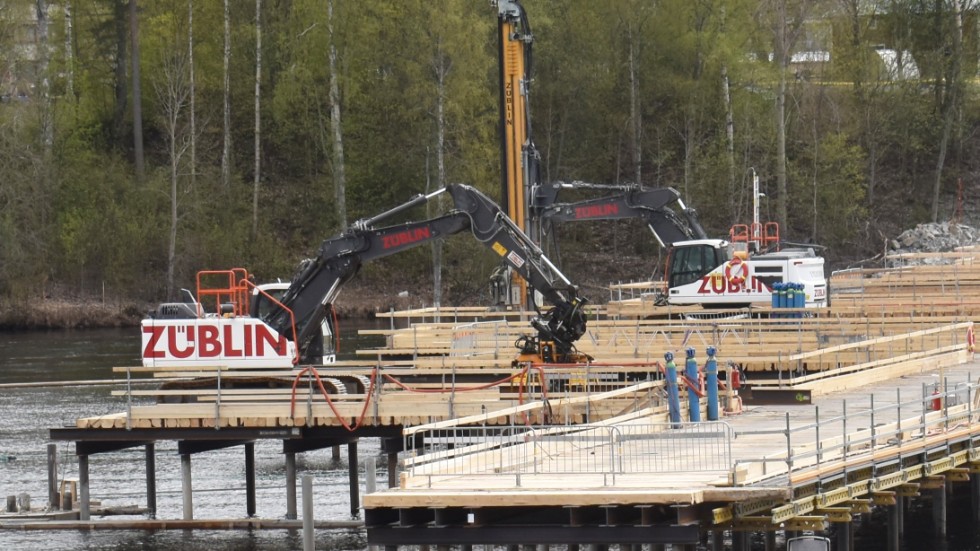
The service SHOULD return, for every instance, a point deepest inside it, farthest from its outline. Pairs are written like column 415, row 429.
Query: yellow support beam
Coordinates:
column 836, row 514
column 747, row 508
column 883, row 498
column 958, row 474
column 860, row 506
column 932, row 482
column 814, row 523
column 721, row 515
column 908, row 490
column 833, row 497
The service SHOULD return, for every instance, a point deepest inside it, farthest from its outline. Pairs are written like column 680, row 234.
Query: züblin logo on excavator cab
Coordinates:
column 406, row 237
column 595, row 211
column 211, row 339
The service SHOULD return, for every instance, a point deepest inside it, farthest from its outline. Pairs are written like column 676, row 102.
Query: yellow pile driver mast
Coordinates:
column 519, row 158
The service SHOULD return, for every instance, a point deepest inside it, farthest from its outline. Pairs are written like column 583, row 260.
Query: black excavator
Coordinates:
column 288, row 329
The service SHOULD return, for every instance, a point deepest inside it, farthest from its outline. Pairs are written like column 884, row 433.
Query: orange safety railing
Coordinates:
column 224, row 287
column 761, row 234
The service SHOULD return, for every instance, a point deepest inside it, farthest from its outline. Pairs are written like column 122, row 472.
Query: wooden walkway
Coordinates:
column 789, row 467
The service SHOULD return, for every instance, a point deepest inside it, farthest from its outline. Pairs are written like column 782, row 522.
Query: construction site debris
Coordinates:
column 933, row 238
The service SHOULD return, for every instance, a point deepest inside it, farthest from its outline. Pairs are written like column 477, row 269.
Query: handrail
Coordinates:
column 855, row 440
column 292, row 317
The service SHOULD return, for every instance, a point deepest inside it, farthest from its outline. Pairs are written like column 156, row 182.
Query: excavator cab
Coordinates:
column 691, row 260
column 322, row 349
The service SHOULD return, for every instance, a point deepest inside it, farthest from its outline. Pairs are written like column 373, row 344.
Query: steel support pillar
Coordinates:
column 84, row 507
column 151, row 479
column 355, row 488
column 291, row 486
column 975, row 496
column 393, row 470
column 770, row 540
column 939, row 510
column 718, row 540
column 53, row 501
column 250, row 479
column 186, row 487
column 738, row 541
column 894, row 523
column 844, row 536
column 900, row 506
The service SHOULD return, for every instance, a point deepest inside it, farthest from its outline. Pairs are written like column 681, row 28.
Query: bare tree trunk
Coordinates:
column 191, row 83
column 172, row 96
column 782, row 54
column 44, row 83
column 635, row 118
column 69, row 53
column 121, row 89
column 339, row 176
column 137, row 93
column 226, row 147
column 258, row 117
column 441, row 68
column 729, row 140
column 950, row 105
column 43, row 86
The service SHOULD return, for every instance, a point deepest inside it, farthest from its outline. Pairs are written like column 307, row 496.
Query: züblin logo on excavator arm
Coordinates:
column 406, row 237
column 595, row 211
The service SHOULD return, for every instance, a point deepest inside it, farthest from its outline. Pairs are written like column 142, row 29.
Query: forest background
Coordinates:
column 142, row 141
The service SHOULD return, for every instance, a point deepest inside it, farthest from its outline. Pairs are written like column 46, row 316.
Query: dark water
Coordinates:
column 118, row 479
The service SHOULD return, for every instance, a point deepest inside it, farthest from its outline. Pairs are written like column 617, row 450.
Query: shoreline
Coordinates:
column 42, row 314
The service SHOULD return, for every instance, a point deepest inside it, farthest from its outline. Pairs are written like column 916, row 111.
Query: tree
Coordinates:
column 191, row 82
column 137, row 92
column 336, row 126
column 172, row 95
column 226, row 133
column 257, row 176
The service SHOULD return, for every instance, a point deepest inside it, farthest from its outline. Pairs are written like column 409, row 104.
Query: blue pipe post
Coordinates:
column 775, row 294
column 673, row 399
column 693, row 401
column 711, row 383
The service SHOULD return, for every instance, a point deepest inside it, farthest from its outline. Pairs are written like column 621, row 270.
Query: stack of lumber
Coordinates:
column 756, row 344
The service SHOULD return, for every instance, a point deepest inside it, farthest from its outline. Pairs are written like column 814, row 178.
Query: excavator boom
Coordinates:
column 306, row 303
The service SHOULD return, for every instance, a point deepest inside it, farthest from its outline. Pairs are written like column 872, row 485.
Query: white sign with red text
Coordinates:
column 231, row 342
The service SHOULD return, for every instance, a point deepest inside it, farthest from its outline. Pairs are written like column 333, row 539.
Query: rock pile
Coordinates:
column 940, row 237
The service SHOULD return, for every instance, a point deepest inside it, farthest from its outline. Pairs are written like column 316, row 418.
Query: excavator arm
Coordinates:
column 653, row 206
column 319, row 280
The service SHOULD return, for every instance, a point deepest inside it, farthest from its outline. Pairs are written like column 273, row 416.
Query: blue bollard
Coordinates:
column 693, row 401
column 673, row 399
column 711, row 383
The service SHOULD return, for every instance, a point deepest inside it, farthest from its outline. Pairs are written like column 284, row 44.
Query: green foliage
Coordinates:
column 829, row 191
column 862, row 149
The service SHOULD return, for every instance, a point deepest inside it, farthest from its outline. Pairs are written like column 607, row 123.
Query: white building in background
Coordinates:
column 898, row 64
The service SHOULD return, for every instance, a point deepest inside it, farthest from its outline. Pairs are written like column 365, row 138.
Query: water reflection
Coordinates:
column 27, row 413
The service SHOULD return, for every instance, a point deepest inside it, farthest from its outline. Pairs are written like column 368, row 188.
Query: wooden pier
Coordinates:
column 837, row 419
column 785, row 468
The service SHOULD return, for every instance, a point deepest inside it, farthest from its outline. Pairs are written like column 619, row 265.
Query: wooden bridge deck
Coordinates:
column 769, row 478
